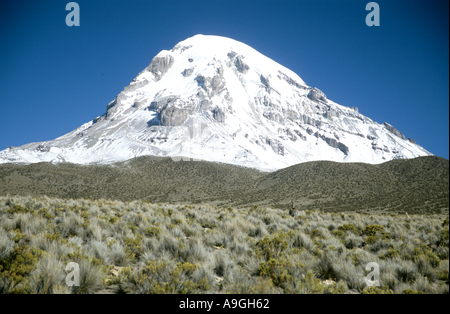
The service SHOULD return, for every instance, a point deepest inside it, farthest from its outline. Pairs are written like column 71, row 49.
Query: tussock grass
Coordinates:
column 143, row 247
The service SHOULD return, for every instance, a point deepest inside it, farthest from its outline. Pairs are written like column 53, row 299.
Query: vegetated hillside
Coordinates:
column 153, row 178
column 413, row 185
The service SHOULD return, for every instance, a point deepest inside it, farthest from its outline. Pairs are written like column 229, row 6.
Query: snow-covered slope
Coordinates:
column 216, row 99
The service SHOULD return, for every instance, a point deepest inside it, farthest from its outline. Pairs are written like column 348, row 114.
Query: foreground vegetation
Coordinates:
column 141, row 247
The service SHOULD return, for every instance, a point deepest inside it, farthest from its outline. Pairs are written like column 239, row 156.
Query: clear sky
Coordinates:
column 54, row 78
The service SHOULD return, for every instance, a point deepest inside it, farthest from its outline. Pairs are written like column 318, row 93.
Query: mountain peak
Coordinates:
column 217, row 99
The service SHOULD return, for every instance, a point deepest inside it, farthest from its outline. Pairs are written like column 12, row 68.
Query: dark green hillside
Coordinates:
column 153, row 178
column 414, row 185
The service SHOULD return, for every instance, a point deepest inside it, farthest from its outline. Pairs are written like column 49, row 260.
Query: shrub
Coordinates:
column 391, row 253
column 17, row 209
column 153, row 231
column 271, row 247
column 409, row 291
column 277, row 271
column 371, row 230
column 349, row 227
column 443, row 275
column 133, row 246
column 377, row 290
column 20, row 261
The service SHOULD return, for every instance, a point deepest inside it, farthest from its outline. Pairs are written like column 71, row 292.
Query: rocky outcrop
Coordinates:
column 134, row 86
column 114, row 106
column 276, row 146
column 264, row 81
column 317, row 95
column 173, row 116
column 188, row 72
column 241, row 66
column 273, row 116
column 303, row 137
column 290, row 81
column 42, row 148
column 393, row 130
column 333, row 142
column 161, row 103
column 171, row 110
column 231, row 54
column 343, row 148
column 212, row 86
column 160, row 65
column 411, row 140
column 181, row 48
column 218, row 115
column 378, row 145
column 205, row 104
column 291, row 115
column 305, row 119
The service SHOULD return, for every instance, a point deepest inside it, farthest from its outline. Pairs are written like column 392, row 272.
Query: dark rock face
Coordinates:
column 276, row 146
column 231, row 54
column 160, row 65
column 173, row 116
column 309, row 120
column 161, row 103
column 218, row 115
column 42, row 148
column 333, row 143
column 303, row 137
column 393, row 130
column 171, row 110
column 411, row 140
column 343, row 148
column 212, row 86
column 290, row 80
column 264, row 81
column 316, row 94
column 241, row 65
column 273, row 116
column 113, row 106
column 188, row 72
column 133, row 87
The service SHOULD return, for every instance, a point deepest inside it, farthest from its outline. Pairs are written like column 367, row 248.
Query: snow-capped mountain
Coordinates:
column 217, row 99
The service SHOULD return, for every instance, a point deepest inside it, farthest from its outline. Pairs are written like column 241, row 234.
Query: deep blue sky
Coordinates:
column 54, row 78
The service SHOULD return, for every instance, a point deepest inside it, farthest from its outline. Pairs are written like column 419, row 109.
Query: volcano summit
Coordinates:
column 216, row 99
